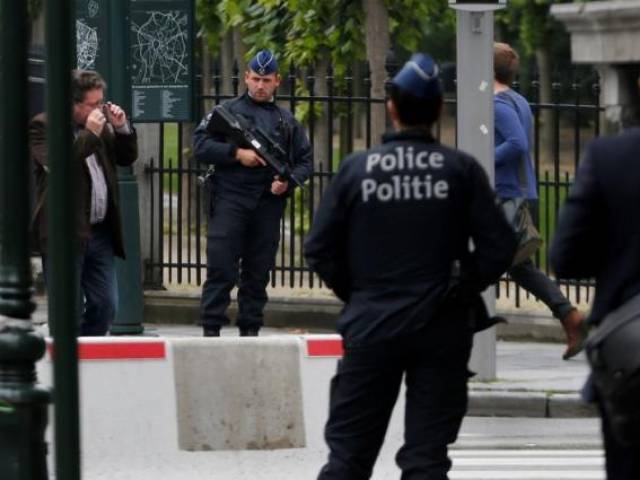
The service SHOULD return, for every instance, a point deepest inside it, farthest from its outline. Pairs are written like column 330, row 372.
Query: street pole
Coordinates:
column 62, row 282
column 23, row 404
column 474, row 74
column 129, row 318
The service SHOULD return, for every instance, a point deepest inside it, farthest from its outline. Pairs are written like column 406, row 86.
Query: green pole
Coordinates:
column 23, row 404
column 62, row 283
column 129, row 318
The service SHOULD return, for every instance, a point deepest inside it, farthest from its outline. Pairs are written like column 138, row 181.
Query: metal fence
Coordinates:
column 342, row 118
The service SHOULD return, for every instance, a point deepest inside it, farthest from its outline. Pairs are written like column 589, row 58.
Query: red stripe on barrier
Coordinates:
column 118, row 351
column 329, row 347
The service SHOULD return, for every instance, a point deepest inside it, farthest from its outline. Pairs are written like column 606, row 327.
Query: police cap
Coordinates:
column 264, row 63
column 419, row 77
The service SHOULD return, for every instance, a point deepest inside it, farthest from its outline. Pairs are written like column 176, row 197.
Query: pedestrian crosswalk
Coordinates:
column 538, row 464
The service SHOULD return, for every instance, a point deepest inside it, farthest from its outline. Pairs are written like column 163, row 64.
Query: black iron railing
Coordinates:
column 339, row 111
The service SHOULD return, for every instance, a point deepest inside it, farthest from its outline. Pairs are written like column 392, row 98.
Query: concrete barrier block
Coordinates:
column 127, row 401
column 238, row 393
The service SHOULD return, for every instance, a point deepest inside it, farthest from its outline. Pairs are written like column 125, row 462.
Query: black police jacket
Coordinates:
column 598, row 233
column 392, row 223
column 249, row 183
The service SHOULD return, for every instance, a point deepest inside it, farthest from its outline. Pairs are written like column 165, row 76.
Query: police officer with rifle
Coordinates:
column 260, row 153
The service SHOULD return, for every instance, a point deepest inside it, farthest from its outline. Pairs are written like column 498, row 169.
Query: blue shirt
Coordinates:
column 513, row 128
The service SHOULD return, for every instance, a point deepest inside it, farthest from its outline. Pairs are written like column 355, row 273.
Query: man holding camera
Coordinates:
column 103, row 138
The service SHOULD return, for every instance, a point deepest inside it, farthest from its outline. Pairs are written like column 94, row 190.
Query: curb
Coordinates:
column 531, row 404
column 320, row 314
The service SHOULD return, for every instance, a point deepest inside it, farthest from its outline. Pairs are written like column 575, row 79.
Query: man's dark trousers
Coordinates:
column 364, row 391
column 622, row 462
column 242, row 241
column 97, row 294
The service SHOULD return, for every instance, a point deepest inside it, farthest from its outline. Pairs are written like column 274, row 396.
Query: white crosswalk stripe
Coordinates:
column 527, row 465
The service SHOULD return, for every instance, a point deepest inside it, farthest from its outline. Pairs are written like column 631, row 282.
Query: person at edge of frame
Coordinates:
column 247, row 201
column 392, row 225
column 598, row 236
column 515, row 178
column 103, row 138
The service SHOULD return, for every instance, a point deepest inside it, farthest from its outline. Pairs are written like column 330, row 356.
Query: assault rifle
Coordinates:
column 237, row 129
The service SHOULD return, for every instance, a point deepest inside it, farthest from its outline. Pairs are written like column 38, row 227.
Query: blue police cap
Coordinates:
column 419, row 77
column 264, row 63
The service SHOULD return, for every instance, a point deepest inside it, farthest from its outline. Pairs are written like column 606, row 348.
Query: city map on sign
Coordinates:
column 159, row 48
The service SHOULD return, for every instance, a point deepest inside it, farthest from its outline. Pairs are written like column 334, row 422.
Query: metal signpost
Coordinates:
column 475, row 127
column 62, row 288
column 130, row 314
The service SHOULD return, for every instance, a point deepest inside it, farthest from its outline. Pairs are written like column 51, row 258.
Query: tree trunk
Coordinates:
column 239, row 51
column 377, row 41
column 227, row 56
column 543, row 58
column 207, row 80
column 322, row 141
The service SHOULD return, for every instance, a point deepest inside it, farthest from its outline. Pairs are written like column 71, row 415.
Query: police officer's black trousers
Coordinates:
column 364, row 391
column 242, row 241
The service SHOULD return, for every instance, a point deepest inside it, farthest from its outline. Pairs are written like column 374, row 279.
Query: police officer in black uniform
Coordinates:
column 389, row 229
column 247, row 201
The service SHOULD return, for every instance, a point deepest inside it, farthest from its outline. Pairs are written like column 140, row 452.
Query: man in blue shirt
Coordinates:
column 515, row 178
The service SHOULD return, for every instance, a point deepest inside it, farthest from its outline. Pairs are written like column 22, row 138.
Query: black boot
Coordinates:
column 211, row 330
column 249, row 332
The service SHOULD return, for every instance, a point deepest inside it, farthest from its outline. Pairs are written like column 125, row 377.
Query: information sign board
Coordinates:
column 161, row 42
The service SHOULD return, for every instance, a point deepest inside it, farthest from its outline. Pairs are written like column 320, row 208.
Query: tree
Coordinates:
column 378, row 43
column 34, row 8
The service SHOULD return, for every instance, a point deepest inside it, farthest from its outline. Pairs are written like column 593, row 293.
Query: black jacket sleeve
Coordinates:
column 580, row 230
column 125, row 147
column 211, row 149
column 494, row 243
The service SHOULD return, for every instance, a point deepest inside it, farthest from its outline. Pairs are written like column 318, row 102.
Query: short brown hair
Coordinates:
column 83, row 81
column 505, row 63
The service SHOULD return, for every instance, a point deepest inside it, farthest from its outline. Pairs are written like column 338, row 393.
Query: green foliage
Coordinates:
column 265, row 26
column 210, row 21
column 531, row 23
column 304, row 31
column 34, row 8
column 410, row 19
column 302, row 218
column 530, row 18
